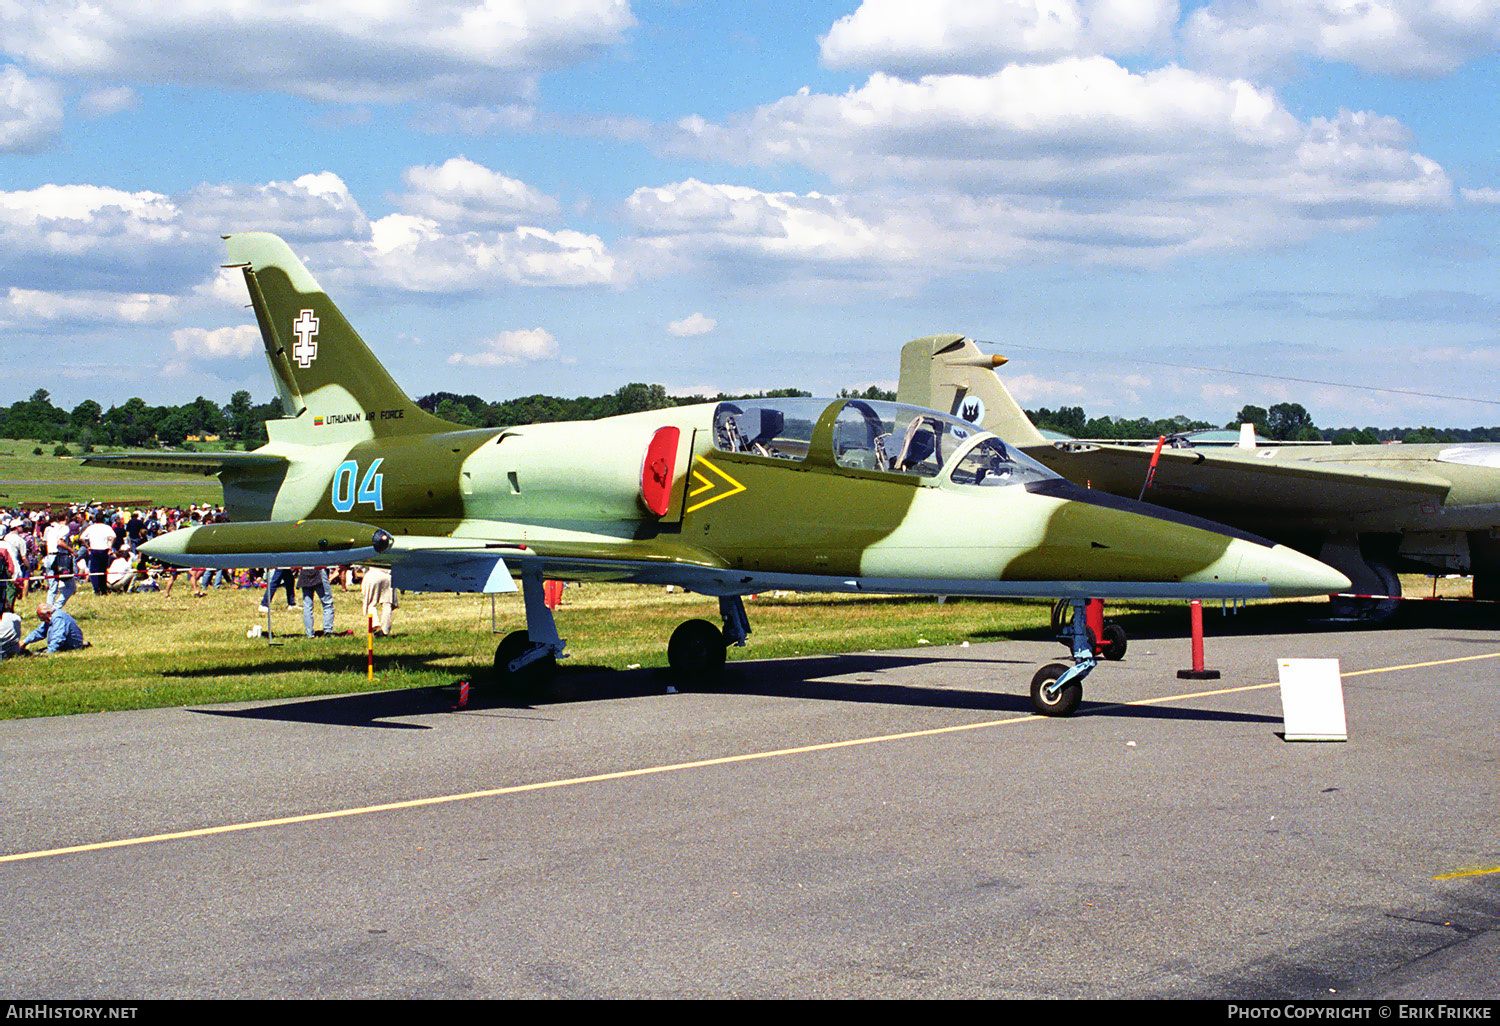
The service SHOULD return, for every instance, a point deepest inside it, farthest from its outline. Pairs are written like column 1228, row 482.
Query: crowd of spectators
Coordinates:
column 48, row 552
column 55, row 548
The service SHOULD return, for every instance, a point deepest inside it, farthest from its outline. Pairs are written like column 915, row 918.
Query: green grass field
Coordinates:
column 30, row 478
column 150, row 649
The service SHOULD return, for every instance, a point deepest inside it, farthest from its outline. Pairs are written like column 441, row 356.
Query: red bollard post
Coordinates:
column 1093, row 616
column 552, row 593
column 1198, row 672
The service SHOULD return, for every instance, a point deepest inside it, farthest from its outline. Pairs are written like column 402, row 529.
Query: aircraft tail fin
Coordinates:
column 330, row 383
column 949, row 373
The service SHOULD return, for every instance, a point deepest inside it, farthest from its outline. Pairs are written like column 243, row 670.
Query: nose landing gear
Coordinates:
column 1057, row 689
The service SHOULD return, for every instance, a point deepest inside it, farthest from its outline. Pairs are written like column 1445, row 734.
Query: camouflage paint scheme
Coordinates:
column 1368, row 510
column 463, row 508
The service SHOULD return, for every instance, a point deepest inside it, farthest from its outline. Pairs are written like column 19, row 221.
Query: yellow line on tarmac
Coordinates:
column 1468, row 872
column 416, row 803
column 1418, row 666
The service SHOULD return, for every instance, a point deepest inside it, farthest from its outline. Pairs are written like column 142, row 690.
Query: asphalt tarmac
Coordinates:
column 890, row 824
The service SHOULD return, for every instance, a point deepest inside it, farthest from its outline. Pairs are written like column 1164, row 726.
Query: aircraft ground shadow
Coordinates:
column 802, row 678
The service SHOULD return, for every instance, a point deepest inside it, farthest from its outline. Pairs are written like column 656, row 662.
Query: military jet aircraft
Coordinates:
column 724, row 499
column 1366, row 510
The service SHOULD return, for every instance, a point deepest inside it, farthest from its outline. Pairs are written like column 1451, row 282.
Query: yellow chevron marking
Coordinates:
column 709, row 485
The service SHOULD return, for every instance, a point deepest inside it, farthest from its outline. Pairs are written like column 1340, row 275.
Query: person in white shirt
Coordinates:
column 121, row 574
column 99, row 538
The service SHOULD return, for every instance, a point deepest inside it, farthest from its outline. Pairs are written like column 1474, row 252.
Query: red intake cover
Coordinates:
column 658, row 470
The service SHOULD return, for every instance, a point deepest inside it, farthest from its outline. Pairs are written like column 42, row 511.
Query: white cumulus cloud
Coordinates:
column 1482, row 195
column 1079, row 158
column 462, row 194
column 1402, row 37
column 103, row 102
column 415, row 254
column 234, row 342
column 312, row 206
column 30, row 111
column 962, row 35
column 81, row 237
column 688, row 217
column 344, row 51
column 509, row 347
column 32, row 305
column 693, row 324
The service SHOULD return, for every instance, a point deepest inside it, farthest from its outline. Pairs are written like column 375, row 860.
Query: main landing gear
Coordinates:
column 1111, row 642
column 1057, row 688
column 526, row 661
column 696, row 651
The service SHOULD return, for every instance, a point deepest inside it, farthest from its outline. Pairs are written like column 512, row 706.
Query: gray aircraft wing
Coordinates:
column 1268, row 485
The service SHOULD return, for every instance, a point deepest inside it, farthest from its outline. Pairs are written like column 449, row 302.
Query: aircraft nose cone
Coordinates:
column 1287, row 572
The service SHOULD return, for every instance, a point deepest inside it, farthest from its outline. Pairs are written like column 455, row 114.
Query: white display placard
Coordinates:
column 1312, row 700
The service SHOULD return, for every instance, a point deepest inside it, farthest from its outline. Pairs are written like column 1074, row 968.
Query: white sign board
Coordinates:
column 1312, row 700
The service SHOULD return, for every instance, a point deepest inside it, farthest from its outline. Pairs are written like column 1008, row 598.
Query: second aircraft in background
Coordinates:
column 1366, row 510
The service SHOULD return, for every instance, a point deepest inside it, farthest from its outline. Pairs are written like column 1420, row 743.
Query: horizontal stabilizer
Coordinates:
column 205, row 463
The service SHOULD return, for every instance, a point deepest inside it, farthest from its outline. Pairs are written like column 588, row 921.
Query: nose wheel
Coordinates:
column 1057, row 689
column 1047, row 698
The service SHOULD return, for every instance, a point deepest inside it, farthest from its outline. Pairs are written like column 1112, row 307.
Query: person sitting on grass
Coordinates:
column 10, row 632
column 59, row 629
column 121, row 573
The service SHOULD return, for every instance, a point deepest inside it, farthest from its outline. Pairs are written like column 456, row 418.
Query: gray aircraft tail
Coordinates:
column 949, row 373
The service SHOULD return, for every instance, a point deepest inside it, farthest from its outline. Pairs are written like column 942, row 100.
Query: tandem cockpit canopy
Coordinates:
column 872, row 435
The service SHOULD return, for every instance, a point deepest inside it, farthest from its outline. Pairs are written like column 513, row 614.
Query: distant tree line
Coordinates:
column 241, row 423
column 133, row 424
column 636, row 397
column 1285, row 422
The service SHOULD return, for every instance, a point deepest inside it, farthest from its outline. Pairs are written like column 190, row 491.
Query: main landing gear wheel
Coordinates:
column 1065, row 702
column 536, row 675
column 1112, row 647
column 1371, row 610
column 696, row 652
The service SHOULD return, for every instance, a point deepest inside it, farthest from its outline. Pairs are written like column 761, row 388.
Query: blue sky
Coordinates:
column 516, row 197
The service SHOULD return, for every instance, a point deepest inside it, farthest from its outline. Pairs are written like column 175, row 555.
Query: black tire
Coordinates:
column 695, row 652
column 1113, row 645
column 1067, row 700
column 1376, row 610
column 533, row 676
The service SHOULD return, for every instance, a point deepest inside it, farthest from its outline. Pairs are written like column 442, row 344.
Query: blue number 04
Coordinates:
column 371, row 486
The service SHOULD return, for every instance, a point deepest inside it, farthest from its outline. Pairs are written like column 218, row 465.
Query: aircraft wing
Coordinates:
column 431, row 562
column 1266, row 485
column 205, row 463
